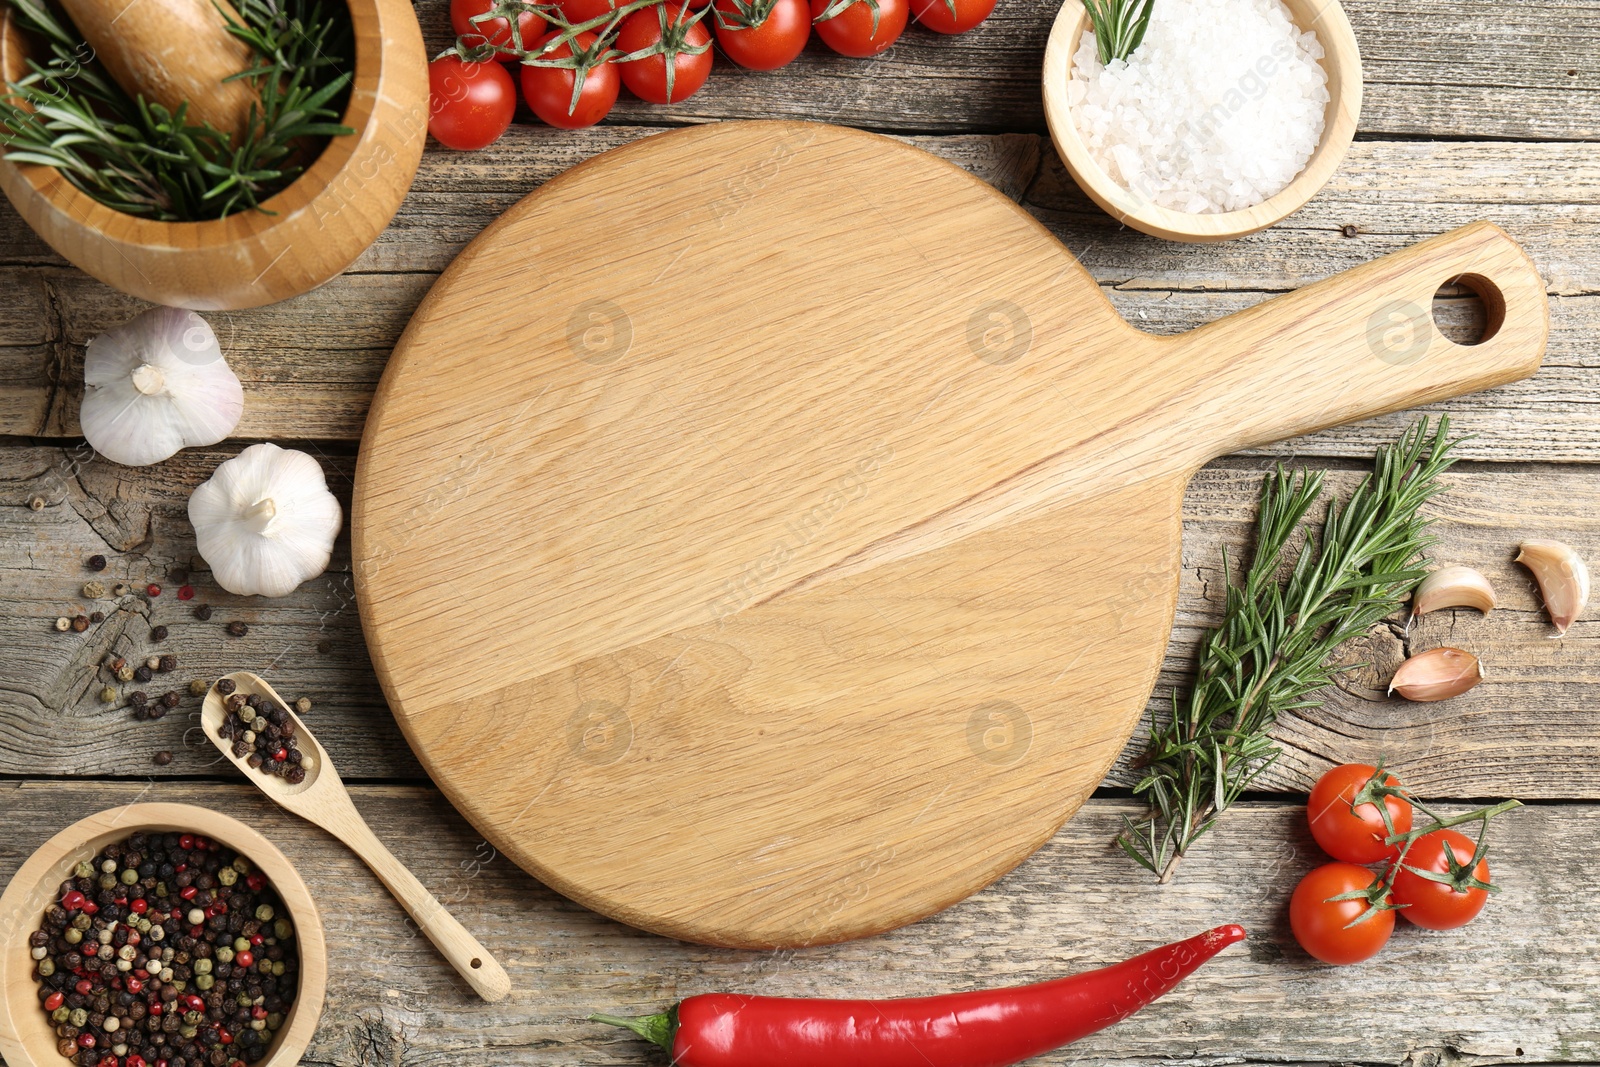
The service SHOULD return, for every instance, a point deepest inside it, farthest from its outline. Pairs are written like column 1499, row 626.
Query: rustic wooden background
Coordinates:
column 1473, row 110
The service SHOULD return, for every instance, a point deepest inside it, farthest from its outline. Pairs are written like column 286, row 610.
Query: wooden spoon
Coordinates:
column 323, row 800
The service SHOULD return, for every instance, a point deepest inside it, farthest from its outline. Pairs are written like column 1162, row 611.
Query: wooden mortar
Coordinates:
column 172, row 52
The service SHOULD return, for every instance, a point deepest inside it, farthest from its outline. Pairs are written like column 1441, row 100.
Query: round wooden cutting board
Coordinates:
column 767, row 534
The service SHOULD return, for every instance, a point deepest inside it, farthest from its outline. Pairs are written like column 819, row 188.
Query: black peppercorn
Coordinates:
column 225, row 686
column 203, row 612
column 169, row 700
column 140, row 714
column 138, row 698
column 1350, row 229
column 142, row 673
column 80, row 623
column 295, row 774
column 97, row 617
column 178, row 575
column 238, row 629
column 96, row 563
column 169, row 663
column 163, row 758
column 158, row 633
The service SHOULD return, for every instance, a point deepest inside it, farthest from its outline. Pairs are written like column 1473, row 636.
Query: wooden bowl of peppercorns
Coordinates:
column 44, row 896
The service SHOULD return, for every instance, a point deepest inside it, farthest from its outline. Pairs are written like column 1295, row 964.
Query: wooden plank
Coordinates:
column 1527, row 731
column 1515, row 987
column 310, row 364
column 1433, row 68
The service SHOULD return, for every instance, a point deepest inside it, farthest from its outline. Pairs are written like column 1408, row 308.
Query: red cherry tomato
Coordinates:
column 1434, row 905
column 951, row 16
column 1322, row 926
column 584, row 10
column 1354, row 836
column 851, row 32
column 647, row 78
column 780, row 37
column 470, row 104
column 548, row 90
column 497, row 30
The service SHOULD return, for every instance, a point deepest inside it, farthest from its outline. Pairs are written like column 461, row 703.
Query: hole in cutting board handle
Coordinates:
column 1471, row 317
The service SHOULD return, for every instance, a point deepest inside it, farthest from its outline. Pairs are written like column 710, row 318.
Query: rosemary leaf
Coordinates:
column 1119, row 26
column 1279, row 631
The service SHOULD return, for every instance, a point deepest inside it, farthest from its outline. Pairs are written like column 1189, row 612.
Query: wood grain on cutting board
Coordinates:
column 763, row 560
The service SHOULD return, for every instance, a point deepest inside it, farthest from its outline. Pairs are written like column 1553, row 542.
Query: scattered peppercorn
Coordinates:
column 174, row 977
column 80, row 623
column 142, row 673
column 37, row 503
column 198, row 687
column 97, row 616
column 125, row 674
column 93, row 590
column 1351, row 230
column 178, row 575
column 170, row 699
column 238, row 629
column 138, row 698
column 163, row 758
column 96, row 563
column 115, row 663
column 167, row 663
column 225, row 686
column 108, row 695
column 120, row 590
column 186, row 592
column 203, row 612
column 152, row 589
column 154, row 662
column 303, row 705
column 158, row 633
column 63, row 623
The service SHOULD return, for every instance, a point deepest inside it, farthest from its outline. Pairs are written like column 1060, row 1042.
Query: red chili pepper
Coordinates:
column 982, row 1029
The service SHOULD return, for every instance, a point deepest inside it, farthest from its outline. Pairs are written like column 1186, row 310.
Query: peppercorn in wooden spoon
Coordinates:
column 240, row 710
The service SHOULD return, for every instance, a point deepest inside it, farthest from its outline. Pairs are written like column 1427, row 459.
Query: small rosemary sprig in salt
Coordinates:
column 1271, row 653
column 1119, row 26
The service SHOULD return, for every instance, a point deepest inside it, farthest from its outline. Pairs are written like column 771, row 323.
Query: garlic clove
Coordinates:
column 265, row 521
column 1453, row 587
column 157, row 384
column 1437, row 674
column 1563, row 579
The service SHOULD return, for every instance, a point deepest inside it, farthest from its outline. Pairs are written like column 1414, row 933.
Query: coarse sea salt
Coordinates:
column 1217, row 110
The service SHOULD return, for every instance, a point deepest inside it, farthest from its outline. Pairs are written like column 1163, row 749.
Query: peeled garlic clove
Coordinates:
column 1563, row 579
column 1437, row 674
column 1453, row 587
column 156, row 384
column 265, row 521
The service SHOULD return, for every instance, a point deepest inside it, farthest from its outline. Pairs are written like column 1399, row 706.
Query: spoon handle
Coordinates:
column 481, row 970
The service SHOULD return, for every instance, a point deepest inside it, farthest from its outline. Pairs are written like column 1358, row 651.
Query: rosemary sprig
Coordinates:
column 1271, row 653
column 1119, row 26
column 140, row 158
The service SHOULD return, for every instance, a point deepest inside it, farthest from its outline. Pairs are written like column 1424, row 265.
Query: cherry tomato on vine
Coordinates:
column 497, row 30
column 951, row 16
column 1354, row 836
column 1435, row 905
column 667, row 27
column 1323, row 926
column 773, row 41
column 469, row 104
column 584, row 10
column 851, row 31
column 548, row 90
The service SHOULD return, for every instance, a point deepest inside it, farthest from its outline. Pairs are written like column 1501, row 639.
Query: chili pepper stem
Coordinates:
column 656, row 1028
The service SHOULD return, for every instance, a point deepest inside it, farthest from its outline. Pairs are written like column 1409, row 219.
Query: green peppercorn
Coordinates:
column 202, row 966
column 264, row 913
column 47, row 967
column 108, row 695
column 84, row 869
column 204, row 982
column 130, row 876
column 107, row 881
column 79, row 1018
column 227, row 876
column 241, row 944
column 224, row 954
column 274, row 1020
column 73, row 935
column 82, row 922
column 198, row 687
column 189, row 1030
column 282, row 930
column 277, row 968
column 242, row 865
column 61, row 1014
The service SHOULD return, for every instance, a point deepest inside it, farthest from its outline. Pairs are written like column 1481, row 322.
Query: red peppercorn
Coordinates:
column 53, row 1001
column 197, row 931
column 156, row 1007
column 193, row 1003
column 86, row 1041
column 90, row 908
column 107, row 1060
column 73, row 901
column 153, row 589
column 257, row 939
column 177, row 913
column 280, row 755
column 201, row 843
column 134, row 1060
column 140, row 906
column 186, row 592
column 245, row 959
column 133, row 985
column 84, row 986
column 186, row 842
column 189, row 892
column 258, row 1012
column 256, row 882
column 224, row 1037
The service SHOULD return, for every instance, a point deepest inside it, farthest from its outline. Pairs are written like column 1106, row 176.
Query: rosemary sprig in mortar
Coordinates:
column 138, row 157
column 1272, row 650
column 1119, row 26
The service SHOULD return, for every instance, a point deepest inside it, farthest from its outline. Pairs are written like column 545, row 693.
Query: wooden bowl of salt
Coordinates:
column 1139, row 205
column 306, row 233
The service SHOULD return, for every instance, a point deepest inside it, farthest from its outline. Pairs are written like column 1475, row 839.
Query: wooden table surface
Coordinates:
column 1473, row 110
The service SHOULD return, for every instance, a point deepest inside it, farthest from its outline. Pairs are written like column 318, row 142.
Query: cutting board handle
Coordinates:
column 1360, row 344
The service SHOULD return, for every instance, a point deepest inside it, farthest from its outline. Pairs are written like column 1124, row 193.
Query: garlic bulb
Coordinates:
column 1437, row 674
column 156, row 384
column 265, row 521
column 1453, row 587
column 1563, row 580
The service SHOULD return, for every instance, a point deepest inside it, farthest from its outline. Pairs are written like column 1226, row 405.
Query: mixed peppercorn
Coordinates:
column 262, row 733
column 165, row 950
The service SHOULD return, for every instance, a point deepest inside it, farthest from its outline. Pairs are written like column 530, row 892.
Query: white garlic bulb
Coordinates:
column 265, row 521
column 156, row 384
